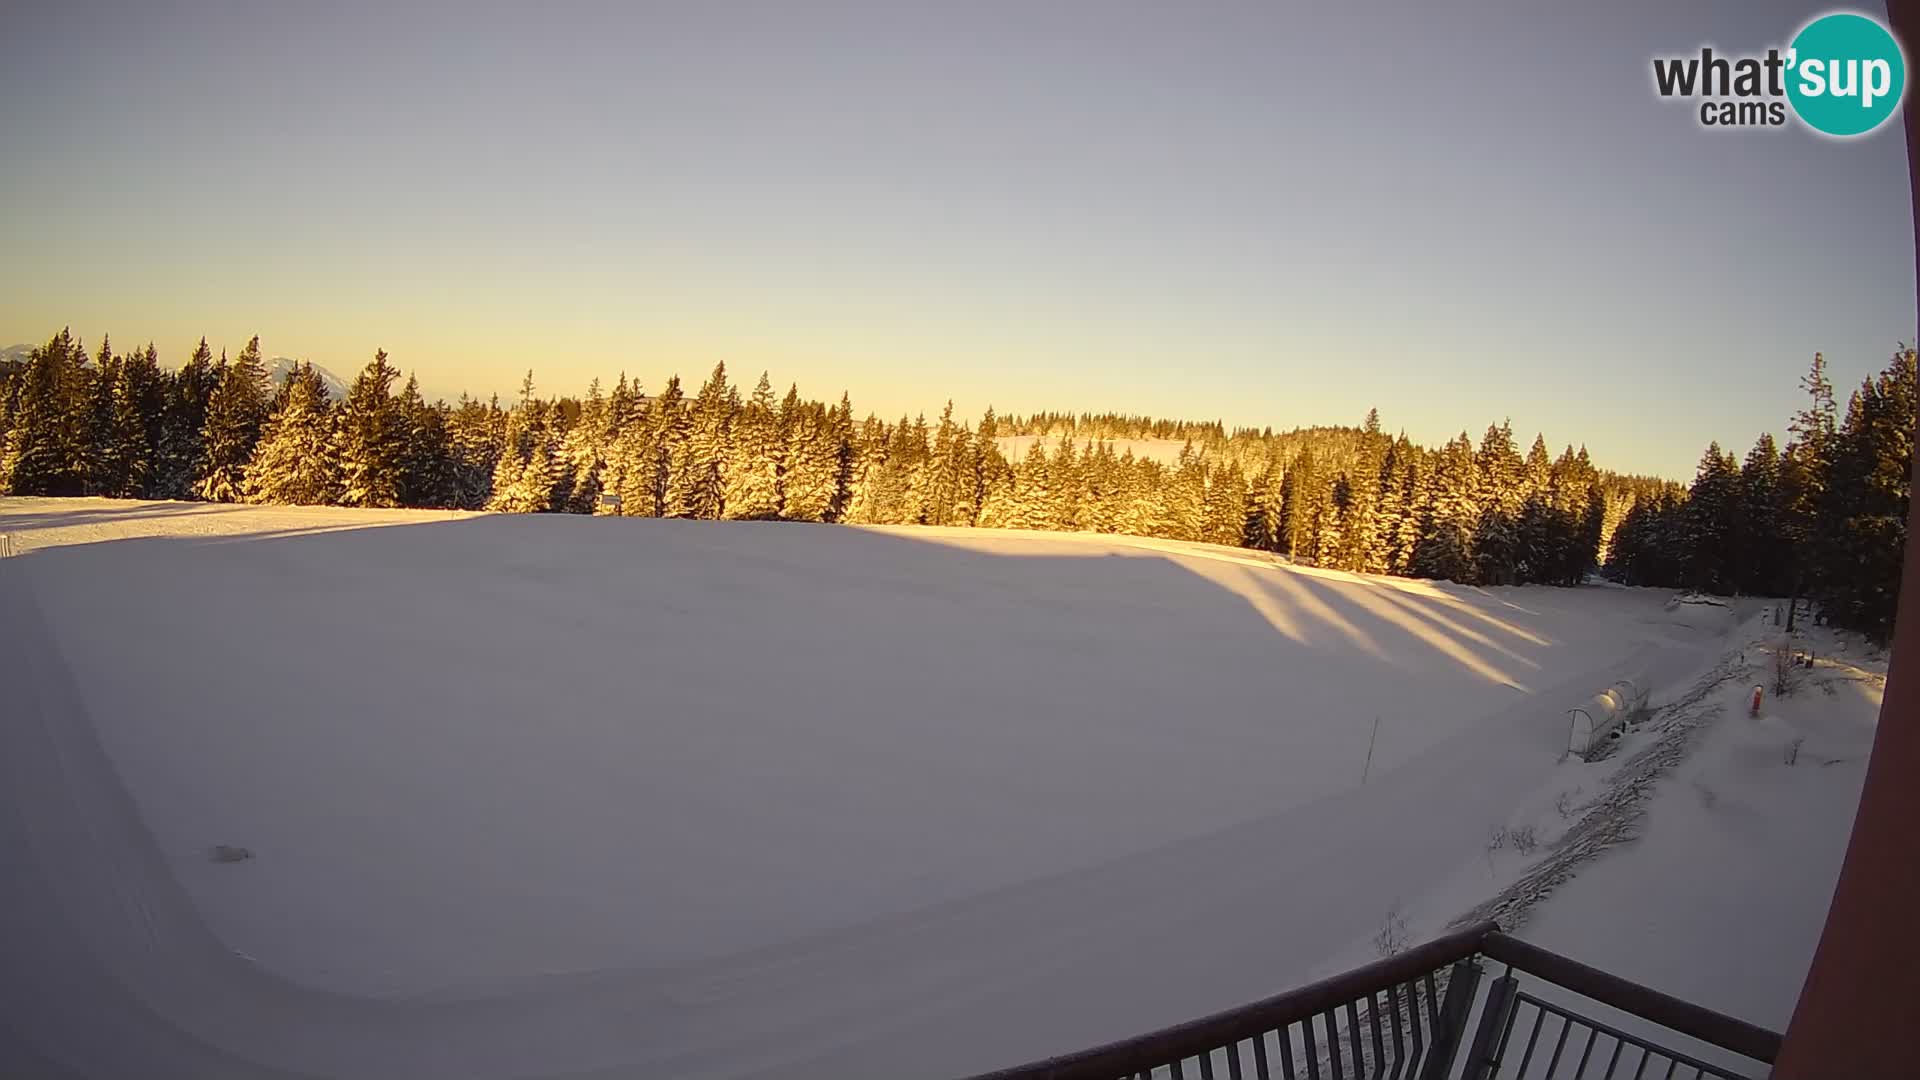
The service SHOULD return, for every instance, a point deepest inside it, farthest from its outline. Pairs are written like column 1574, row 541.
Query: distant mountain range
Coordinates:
column 277, row 369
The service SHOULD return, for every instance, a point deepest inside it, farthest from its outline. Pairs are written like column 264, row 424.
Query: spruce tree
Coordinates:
column 138, row 417
column 942, row 480
column 1100, row 511
column 698, row 485
column 427, row 471
column 370, row 439
column 1264, row 499
column 49, row 414
column 1452, row 512
column 1762, row 552
column 1806, row 470
column 1710, row 525
column 109, row 459
column 524, row 479
column 841, row 433
column 672, row 466
column 188, row 394
column 1865, row 501
column 1033, row 498
column 473, row 451
column 294, row 461
column 236, row 412
column 813, row 464
column 1184, row 498
column 756, row 458
column 1304, row 496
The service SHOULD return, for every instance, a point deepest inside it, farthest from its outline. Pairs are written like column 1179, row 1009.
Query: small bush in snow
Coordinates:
column 1498, row 837
column 1792, row 755
column 1393, row 936
column 1523, row 839
column 1565, row 803
column 1786, row 677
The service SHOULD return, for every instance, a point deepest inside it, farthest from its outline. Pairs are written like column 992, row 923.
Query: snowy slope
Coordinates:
column 546, row 795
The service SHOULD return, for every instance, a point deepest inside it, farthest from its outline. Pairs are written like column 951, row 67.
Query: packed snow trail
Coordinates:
column 112, row 968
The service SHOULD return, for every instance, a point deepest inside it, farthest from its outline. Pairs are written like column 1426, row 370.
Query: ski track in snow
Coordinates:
column 1111, row 877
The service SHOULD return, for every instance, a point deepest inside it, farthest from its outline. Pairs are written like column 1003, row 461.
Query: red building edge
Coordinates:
column 1862, row 994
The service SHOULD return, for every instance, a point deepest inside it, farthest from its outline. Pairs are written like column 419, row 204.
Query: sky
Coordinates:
column 1259, row 213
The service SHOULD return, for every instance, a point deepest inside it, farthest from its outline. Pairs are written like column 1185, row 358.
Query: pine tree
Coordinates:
column 1710, row 525
column 942, row 480
column 1336, row 519
column 1225, row 510
column 1033, row 498
column 1185, row 497
column 532, row 490
column 1805, row 471
column 188, row 394
column 294, row 461
column 525, row 478
column 840, row 431
column 1100, row 511
column 1143, row 508
column 109, row 459
column 994, row 478
column 236, row 412
column 1264, row 500
column 1500, row 497
column 1452, row 512
column 1762, row 552
column 1361, row 548
column 580, row 454
column 883, row 495
column 813, row 464
column 756, row 458
column 1304, row 497
column 370, row 438
column 474, row 452
column 50, row 411
column 427, row 470
column 698, row 483
column 671, row 427
column 1865, row 501
column 138, row 416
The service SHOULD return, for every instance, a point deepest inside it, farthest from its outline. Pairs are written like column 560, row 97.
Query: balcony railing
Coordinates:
column 1428, row 1014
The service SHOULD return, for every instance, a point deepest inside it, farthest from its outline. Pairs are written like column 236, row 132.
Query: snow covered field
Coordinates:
column 566, row 796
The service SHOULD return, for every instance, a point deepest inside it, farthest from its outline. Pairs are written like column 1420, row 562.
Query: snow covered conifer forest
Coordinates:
column 1821, row 516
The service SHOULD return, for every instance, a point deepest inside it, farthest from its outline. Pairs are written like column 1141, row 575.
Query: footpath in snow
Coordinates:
column 564, row 796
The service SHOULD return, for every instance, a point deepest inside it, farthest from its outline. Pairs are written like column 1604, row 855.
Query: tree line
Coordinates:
column 1825, row 517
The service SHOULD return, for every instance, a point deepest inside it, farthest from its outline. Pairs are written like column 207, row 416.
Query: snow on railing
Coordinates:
column 1411, row 1015
column 1590, row 725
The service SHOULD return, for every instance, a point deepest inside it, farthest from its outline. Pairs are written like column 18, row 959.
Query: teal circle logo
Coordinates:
column 1845, row 74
